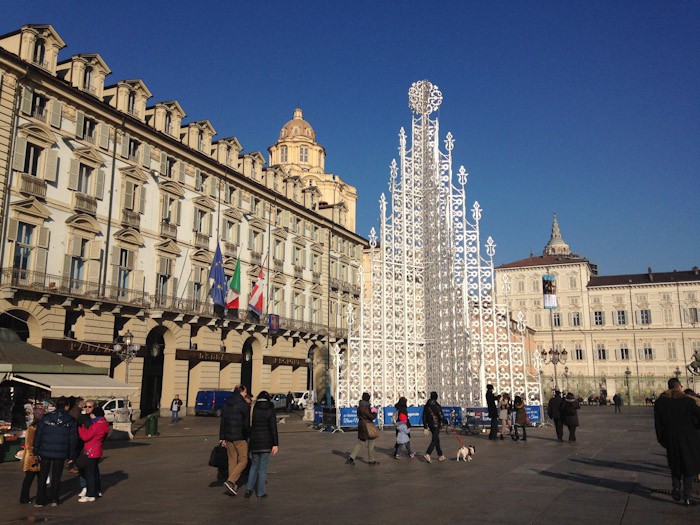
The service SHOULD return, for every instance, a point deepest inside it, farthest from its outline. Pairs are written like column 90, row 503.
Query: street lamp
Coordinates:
column 628, row 373
column 554, row 357
column 677, row 372
column 127, row 351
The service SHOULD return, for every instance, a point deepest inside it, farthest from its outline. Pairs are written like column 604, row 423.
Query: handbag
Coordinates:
column 218, row 457
column 82, row 460
column 371, row 430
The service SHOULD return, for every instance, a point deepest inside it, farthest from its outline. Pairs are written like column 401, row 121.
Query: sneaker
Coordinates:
column 85, row 499
column 39, row 505
column 441, row 458
column 426, row 457
column 248, row 493
column 413, row 455
column 83, row 493
column 232, row 488
column 397, row 456
column 54, row 503
column 262, row 496
column 349, row 461
column 99, row 494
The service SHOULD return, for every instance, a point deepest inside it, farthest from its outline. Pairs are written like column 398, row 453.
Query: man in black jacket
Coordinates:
column 432, row 419
column 233, row 433
column 676, row 418
column 554, row 412
column 491, row 400
column 56, row 440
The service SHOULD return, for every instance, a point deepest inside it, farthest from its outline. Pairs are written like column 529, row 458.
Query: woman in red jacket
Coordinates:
column 93, row 437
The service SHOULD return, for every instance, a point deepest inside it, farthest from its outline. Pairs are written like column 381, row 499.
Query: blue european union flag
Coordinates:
column 217, row 278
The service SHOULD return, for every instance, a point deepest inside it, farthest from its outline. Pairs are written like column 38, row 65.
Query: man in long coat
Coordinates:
column 677, row 419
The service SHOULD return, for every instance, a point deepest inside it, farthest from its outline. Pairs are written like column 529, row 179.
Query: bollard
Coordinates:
column 152, row 425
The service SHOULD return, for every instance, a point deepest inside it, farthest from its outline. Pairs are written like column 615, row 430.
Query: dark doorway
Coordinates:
column 247, row 365
column 15, row 321
column 152, row 382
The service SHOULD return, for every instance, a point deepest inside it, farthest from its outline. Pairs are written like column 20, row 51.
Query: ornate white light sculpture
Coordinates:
column 427, row 318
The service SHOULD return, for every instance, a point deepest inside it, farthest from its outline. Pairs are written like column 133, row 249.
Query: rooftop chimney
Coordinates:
column 651, row 275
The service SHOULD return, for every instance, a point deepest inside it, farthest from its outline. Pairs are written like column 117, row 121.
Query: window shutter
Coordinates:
column 251, row 239
column 73, row 174
column 181, row 171
column 213, row 186
column 163, row 207
column 93, row 271
column 175, row 286
column 640, row 353
column 55, row 117
column 20, row 154
column 104, row 136
column 100, row 184
column 94, row 250
column 197, row 179
column 80, row 125
column 115, row 275
column 116, row 250
column 194, row 222
column 163, row 164
column 130, row 256
column 142, row 196
column 163, row 266
column 637, row 319
column 137, row 282
column 649, row 316
column 179, row 212
column 27, row 96
column 43, row 237
column 146, row 159
column 41, row 260
column 12, row 229
column 210, row 222
column 190, row 290
column 66, row 268
column 125, row 145
column 73, row 247
column 51, row 166
column 129, row 195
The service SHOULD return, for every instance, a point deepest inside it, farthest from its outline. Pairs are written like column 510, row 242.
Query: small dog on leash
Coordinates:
column 466, row 453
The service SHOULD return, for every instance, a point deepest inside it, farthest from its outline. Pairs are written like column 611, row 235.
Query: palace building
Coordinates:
column 622, row 333
column 113, row 205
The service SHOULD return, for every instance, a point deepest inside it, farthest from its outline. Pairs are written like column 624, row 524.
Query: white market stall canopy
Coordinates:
column 84, row 385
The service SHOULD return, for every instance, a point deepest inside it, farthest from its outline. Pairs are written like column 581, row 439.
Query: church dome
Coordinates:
column 297, row 128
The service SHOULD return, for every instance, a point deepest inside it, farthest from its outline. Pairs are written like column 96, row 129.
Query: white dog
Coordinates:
column 466, row 453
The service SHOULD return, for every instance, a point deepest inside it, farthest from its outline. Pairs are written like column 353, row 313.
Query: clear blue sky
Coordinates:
column 589, row 108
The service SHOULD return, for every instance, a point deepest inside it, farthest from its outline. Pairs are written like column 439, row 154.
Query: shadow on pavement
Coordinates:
column 621, row 466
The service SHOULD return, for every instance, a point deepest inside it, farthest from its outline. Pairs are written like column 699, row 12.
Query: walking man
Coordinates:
column 491, row 400
column 432, row 418
column 617, row 401
column 55, row 441
column 175, row 409
column 233, row 433
column 676, row 418
column 554, row 413
column 289, row 400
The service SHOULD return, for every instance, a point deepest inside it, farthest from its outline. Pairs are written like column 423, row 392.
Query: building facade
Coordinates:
column 622, row 333
column 112, row 210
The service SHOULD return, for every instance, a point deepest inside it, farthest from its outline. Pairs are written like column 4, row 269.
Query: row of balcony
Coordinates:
column 337, row 284
column 82, row 289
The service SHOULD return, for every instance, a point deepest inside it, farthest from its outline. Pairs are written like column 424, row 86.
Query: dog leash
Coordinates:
column 454, row 428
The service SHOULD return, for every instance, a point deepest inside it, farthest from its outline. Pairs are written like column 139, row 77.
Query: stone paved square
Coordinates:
column 615, row 474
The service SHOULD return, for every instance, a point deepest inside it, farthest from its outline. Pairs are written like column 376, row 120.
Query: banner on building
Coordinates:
column 549, row 291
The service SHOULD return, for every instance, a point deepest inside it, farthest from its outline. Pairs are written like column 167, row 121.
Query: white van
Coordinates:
column 110, row 406
column 301, row 399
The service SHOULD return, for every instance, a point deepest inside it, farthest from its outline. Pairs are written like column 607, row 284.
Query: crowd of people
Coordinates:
column 248, row 439
column 69, row 438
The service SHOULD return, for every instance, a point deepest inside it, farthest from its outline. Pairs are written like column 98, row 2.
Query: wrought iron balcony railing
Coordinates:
column 256, row 258
column 201, row 240
column 298, row 271
column 231, row 249
column 168, row 230
column 40, row 113
column 84, row 203
column 131, row 219
column 278, row 265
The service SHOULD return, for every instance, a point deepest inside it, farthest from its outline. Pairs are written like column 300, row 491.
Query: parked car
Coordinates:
column 279, row 400
column 110, row 406
column 211, row 402
column 301, row 399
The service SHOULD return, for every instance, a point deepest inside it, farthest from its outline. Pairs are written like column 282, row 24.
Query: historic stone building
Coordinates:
column 112, row 209
column 624, row 333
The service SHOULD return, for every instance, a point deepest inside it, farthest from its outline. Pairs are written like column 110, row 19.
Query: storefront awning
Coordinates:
column 83, row 385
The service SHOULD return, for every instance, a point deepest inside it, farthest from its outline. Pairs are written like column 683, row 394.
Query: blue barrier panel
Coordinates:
column 533, row 412
column 447, row 414
column 348, row 417
column 415, row 416
column 318, row 413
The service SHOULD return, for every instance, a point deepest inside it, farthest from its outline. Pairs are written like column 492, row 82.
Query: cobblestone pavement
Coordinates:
column 615, row 473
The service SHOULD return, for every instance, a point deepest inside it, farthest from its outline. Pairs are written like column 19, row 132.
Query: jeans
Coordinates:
column 524, row 432
column 92, row 476
column 618, row 409
column 237, row 459
column 175, row 416
column 257, row 478
column 572, row 433
column 559, row 426
column 435, row 442
column 55, row 468
column 370, row 449
column 398, row 447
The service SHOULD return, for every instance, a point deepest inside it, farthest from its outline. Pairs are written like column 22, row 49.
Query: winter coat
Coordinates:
column 94, row 436
column 432, row 415
column 491, row 399
column 677, row 418
column 403, row 433
column 570, row 420
column 617, row 400
column 520, row 414
column 235, row 420
column 263, row 428
column 553, row 407
column 56, row 436
column 29, row 461
column 364, row 415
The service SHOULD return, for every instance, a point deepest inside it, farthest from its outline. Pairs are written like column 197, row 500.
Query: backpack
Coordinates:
column 567, row 409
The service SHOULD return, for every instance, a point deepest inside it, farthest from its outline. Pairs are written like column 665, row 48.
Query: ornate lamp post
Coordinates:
column 554, row 357
column 628, row 373
column 126, row 351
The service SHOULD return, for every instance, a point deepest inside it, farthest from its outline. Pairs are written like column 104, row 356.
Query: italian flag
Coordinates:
column 233, row 294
